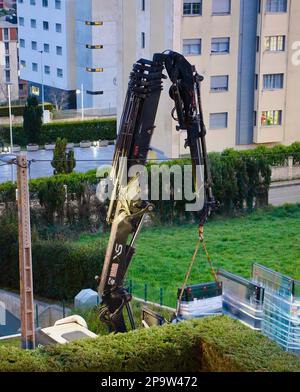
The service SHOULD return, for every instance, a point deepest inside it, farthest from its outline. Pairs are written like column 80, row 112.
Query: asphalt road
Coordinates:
column 285, row 193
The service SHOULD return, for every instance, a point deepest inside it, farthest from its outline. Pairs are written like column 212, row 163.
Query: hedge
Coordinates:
column 214, row 344
column 73, row 131
column 19, row 110
column 61, row 268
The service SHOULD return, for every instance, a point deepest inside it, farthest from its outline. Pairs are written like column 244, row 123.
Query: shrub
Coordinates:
column 60, row 269
column 32, row 119
column 63, row 161
column 215, row 344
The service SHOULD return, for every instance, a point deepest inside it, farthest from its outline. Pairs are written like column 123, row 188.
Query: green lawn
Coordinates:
column 163, row 254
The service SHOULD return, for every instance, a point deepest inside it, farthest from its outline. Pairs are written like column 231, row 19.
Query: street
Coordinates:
column 285, row 192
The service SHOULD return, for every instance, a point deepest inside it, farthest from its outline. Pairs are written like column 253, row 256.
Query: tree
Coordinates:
column 63, row 162
column 60, row 99
column 32, row 116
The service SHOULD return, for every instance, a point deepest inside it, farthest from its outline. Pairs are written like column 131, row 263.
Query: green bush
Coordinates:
column 61, row 268
column 19, row 110
column 73, row 131
column 215, row 344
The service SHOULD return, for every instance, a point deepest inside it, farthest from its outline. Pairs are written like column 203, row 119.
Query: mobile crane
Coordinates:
column 126, row 212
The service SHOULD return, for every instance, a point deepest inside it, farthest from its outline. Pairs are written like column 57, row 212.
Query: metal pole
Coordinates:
column 10, row 130
column 82, row 103
column 25, row 256
column 42, row 78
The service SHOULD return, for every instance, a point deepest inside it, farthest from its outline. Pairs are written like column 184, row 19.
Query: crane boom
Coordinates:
column 127, row 210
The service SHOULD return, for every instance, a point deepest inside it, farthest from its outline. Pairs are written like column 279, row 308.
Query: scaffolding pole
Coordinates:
column 25, row 258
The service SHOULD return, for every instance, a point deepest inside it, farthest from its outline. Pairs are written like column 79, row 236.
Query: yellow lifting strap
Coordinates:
column 187, row 276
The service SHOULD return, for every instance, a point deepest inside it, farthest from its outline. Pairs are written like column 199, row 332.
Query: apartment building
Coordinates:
column 47, row 50
column 244, row 50
column 69, row 47
column 8, row 60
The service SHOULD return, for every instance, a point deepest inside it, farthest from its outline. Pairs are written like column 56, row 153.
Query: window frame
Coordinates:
column 219, row 113
column 220, row 43
column 186, row 44
column 265, row 118
column 271, row 78
column 224, row 13
column 219, row 90
column 190, row 3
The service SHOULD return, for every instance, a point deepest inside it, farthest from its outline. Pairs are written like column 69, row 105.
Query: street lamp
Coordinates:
column 42, row 79
column 82, row 105
column 10, row 126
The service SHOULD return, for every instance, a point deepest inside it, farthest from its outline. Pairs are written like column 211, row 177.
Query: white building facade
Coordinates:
column 69, row 46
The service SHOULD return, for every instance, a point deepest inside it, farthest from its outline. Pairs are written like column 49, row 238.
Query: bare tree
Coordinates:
column 60, row 99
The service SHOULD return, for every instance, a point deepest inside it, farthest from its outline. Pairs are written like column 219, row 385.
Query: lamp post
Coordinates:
column 81, row 91
column 10, row 127
column 42, row 80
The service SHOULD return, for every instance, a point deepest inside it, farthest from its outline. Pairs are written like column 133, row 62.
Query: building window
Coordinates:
column 143, row 40
column 220, row 45
column 46, row 48
column 255, row 118
column 256, row 81
column 191, row 47
column 7, row 76
column 59, row 50
column 22, row 43
column 273, row 81
column 21, row 21
column 35, row 90
column 276, row 6
column 257, row 43
column 219, row 83
column 45, row 3
column 7, row 62
column 88, row 46
column 275, row 43
column 32, row 2
column 45, row 25
column 34, row 67
column 271, row 118
column 23, row 63
column 59, row 73
column 20, row 1
column 218, row 120
column 221, row 7
column 58, row 4
column 143, row 5
column 192, row 7
column 33, row 45
column 33, row 23
column 47, row 70
column 90, row 69
column 58, row 27
column 6, row 37
column 6, row 47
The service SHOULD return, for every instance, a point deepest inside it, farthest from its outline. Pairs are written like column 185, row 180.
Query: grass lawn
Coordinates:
column 270, row 237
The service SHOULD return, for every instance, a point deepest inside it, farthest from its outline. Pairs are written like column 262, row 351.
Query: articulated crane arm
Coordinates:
column 127, row 209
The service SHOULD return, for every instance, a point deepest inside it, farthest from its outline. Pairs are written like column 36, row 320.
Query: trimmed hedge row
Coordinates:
column 73, row 131
column 214, row 344
column 19, row 110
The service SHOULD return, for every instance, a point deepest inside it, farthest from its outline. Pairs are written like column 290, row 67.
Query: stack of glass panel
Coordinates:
column 201, row 300
column 281, row 309
column 242, row 299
